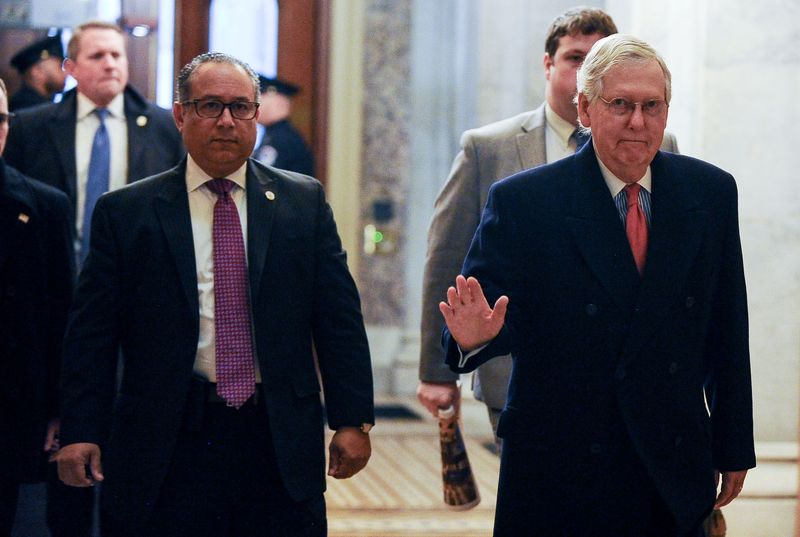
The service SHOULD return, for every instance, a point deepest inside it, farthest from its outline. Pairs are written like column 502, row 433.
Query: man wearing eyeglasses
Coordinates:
column 225, row 283
column 615, row 281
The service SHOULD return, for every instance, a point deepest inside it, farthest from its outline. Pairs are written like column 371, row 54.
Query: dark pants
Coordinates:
column 610, row 495
column 9, row 492
column 70, row 510
column 223, row 481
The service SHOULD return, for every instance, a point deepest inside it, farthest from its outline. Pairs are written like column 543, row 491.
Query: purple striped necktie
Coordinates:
column 233, row 337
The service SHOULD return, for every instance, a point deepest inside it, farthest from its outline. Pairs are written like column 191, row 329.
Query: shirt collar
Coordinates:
column 560, row 126
column 116, row 108
column 196, row 177
column 615, row 184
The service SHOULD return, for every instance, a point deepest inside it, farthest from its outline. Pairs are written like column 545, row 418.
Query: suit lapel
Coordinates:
column 530, row 143
column 172, row 208
column 136, row 119
column 262, row 197
column 18, row 214
column 676, row 234
column 598, row 233
column 62, row 133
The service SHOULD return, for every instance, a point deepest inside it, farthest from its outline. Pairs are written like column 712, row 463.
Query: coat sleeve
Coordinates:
column 491, row 261
column 456, row 214
column 728, row 386
column 92, row 340
column 338, row 329
column 60, row 286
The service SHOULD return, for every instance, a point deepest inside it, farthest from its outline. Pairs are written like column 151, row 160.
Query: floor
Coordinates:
column 399, row 494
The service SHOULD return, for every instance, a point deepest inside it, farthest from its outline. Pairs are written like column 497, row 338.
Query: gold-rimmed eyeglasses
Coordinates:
column 624, row 107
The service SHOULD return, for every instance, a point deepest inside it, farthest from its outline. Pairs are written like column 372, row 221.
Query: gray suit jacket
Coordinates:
column 488, row 154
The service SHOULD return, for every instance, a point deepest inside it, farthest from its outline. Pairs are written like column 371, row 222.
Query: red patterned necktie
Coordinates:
column 636, row 226
column 233, row 338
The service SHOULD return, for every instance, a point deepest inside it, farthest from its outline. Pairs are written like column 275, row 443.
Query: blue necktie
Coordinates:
column 97, row 181
column 580, row 137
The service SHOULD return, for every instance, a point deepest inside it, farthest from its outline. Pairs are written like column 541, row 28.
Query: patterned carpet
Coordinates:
column 399, row 493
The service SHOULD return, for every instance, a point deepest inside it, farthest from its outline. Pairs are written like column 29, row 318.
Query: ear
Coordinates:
column 547, row 61
column 177, row 115
column 68, row 66
column 583, row 110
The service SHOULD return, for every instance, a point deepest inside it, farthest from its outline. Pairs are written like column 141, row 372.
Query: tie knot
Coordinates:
column 220, row 186
column 581, row 137
column 632, row 191
column 101, row 113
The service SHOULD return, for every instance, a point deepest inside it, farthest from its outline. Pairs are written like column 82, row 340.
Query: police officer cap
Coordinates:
column 48, row 47
column 277, row 85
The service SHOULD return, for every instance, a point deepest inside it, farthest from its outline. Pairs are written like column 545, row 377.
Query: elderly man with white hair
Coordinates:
column 614, row 278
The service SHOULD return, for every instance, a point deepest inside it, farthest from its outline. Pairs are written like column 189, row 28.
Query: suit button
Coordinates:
column 673, row 367
column 596, row 448
column 591, row 310
column 689, row 302
column 11, row 290
column 678, row 441
column 620, row 373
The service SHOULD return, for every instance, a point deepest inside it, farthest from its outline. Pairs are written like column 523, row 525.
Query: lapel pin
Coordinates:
column 141, row 121
column 24, row 218
column 270, row 196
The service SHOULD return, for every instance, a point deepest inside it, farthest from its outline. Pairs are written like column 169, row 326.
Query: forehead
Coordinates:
column 577, row 41
column 95, row 38
column 640, row 79
column 222, row 80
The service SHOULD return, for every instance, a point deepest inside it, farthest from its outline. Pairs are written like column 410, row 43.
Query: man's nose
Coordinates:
column 226, row 118
column 637, row 116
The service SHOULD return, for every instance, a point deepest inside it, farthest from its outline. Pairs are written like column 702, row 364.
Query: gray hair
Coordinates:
column 614, row 50
column 3, row 88
column 183, row 87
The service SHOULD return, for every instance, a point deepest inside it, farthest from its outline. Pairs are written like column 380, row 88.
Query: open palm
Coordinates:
column 470, row 319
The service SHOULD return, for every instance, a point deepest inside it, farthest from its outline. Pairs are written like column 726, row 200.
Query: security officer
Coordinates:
column 39, row 65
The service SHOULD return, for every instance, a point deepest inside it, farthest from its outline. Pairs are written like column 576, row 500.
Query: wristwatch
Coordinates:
column 366, row 427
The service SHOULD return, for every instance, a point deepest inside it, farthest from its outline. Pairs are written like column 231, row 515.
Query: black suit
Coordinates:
column 138, row 290
column 41, row 142
column 36, row 281
column 25, row 97
column 606, row 408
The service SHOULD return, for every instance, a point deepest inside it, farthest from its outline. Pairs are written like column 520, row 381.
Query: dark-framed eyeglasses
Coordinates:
column 213, row 108
column 624, row 107
column 6, row 117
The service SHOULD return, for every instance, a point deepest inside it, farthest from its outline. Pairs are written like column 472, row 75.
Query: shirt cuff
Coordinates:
column 462, row 359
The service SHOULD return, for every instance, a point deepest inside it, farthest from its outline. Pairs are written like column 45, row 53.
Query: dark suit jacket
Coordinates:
column 36, row 282
column 600, row 354
column 41, row 141
column 25, row 97
column 138, row 290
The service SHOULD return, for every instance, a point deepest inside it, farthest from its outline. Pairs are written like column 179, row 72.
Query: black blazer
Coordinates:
column 601, row 354
column 36, row 281
column 41, row 141
column 138, row 290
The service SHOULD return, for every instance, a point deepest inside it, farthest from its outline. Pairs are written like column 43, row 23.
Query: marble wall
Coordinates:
column 736, row 76
column 433, row 69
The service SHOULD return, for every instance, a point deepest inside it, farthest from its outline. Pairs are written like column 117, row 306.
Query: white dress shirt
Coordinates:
column 86, row 125
column 201, row 211
column 557, row 140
